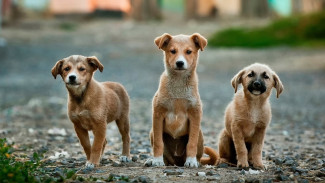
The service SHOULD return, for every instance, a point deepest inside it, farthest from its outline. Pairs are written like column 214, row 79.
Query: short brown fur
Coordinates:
column 247, row 117
column 92, row 104
column 177, row 110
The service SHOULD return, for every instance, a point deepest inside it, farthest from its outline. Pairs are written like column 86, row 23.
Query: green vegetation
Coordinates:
column 24, row 169
column 307, row 30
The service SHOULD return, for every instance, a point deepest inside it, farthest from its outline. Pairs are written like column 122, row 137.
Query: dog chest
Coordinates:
column 176, row 124
column 82, row 118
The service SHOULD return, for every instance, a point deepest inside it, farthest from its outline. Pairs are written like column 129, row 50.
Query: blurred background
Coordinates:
column 288, row 35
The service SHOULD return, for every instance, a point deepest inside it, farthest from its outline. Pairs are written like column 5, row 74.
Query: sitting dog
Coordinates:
column 91, row 105
column 247, row 116
column 176, row 136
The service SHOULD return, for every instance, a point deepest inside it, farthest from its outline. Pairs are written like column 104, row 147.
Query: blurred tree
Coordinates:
column 190, row 9
column 145, row 9
column 255, row 8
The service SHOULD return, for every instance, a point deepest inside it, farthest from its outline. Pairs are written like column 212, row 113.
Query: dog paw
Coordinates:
column 89, row 165
column 124, row 159
column 191, row 162
column 242, row 164
column 155, row 161
column 259, row 166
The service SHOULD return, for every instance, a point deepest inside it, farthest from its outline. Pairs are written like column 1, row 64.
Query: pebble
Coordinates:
column 143, row 179
column 282, row 177
column 278, row 171
column 240, row 180
column 278, row 161
column 135, row 158
column 289, row 162
column 317, row 179
column 242, row 172
column 212, row 173
column 267, row 181
column 143, row 156
column 173, row 171
column 223, row 165
column 201, row 174
column 303, row 181
column 252, row 180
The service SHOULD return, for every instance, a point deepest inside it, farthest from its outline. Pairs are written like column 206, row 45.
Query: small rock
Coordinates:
column 267, row 181
column 212, row 173
column 252, row 180
column 173, row 171
column 134, row 151
column 222, row 165
column 317, row 179
column 278, row 171
column 278, row 161
column 143, row 179
column 303, row 181
column 143, row 156
column 242, row 172
column 240, row 180
column 282, row 177
column 201, row 174
column 289, row 162
column 135, row 158
column 213, row 178
column 116, row 164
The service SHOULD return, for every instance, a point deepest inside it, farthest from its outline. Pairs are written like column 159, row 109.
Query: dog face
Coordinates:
column 258, row 79
column 181, row 51
column 76, row 70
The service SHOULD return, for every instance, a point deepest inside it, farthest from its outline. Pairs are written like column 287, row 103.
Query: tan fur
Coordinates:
column 177, row 108
column 91, row 105
column 246, row 118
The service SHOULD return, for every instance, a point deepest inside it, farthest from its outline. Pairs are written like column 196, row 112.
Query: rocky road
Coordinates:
column 33, row 104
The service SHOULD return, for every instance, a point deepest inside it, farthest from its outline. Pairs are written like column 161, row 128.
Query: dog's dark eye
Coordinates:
column 67, row 68
column 251, row 74
column 188, row 52
column 266, row 77
column 81, row 69
column 173, row 51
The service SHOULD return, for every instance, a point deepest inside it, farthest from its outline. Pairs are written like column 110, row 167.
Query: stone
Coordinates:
column 278, row 161
column 143, row 156
column 201, row 174
column 173, row 171
column 135, row 158
column 222, row 165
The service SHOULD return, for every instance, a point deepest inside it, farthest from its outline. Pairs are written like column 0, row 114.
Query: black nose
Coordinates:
column 179, row 64
column 72, row 78
column 257, row 84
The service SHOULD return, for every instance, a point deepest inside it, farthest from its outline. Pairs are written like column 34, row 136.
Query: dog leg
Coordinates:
column 104, row 144
column 84, row 140
column 225, row 151
column 124, row 128
column 157, row 138
column 96, row 149
column 194, row 132
column 240, row 146
column 256, row 150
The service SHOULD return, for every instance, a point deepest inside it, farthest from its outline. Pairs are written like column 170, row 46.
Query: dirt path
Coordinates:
column 32, row 102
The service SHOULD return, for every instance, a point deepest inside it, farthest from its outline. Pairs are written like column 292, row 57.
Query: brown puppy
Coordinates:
column 91, row 105
column 176, row 136
column 248, row 115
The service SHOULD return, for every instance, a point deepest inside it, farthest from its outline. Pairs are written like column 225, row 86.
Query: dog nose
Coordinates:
column 179, row 64
column 257, row 84
column 72, row 78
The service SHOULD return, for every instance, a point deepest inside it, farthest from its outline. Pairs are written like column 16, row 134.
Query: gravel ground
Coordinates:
column 33, row 104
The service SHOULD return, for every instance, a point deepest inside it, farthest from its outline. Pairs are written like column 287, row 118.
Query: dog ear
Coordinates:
column 56, row 69
column 199, row 41
column 237, row 79
column 163, row 40
column 277, row 85
column 94, row 62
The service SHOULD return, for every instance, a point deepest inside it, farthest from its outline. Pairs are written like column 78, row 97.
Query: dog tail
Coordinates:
column 213, row 156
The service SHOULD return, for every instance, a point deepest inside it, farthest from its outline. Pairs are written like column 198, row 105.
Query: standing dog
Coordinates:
column 176, row 136
column 248, row 115
column 91, row 105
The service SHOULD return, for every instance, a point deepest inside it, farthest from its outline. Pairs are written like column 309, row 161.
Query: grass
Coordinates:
column 307, row 30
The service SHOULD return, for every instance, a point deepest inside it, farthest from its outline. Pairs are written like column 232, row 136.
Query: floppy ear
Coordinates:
column 277, row 85
column 56, row 69
column 163, row 40
column 237, row 79
column 199, row 41
column 95, row 63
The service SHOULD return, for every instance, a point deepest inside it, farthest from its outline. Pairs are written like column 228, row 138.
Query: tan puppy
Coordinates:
column 91, row 105
column 248, row 115
column 176, row 136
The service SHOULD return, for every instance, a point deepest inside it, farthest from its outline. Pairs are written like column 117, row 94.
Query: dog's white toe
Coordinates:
column 155, row 161
column 89, row 165
column 191, row 162
column 125, row 159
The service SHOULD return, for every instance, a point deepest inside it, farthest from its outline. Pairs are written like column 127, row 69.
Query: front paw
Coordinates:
column 259, row 166
column 242, row 164
column 191, row 162
column 155, row 161
column 124, row 159
column 89, row 165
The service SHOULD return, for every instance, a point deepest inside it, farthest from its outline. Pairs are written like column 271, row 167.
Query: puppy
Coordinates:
column 91, row 105
column 176, row 137
column 248, row 115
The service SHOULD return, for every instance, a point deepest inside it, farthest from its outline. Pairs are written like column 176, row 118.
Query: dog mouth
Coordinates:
column 179, row 69
column 73, row 84
column 256, row 90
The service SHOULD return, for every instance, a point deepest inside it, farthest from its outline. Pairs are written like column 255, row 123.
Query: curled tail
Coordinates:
column 213, row 156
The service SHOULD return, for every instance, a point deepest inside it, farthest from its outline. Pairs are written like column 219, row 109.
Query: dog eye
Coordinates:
column 173, row 51
column 67, row 68
column 188, row 52
column 266, row 77
column 81, row 69
column 250, row 74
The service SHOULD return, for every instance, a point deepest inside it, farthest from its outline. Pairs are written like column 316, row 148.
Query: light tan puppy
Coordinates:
column 248, row 115
column 176, row 135
column 91, row 105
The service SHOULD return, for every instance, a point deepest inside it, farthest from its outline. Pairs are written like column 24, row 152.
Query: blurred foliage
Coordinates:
column 30, row 169
column 305, row 30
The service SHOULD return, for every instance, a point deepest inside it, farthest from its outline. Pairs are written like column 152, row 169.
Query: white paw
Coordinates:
column 155, row 161
column 191, row 162
column 124, row 159
column 89, row 165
